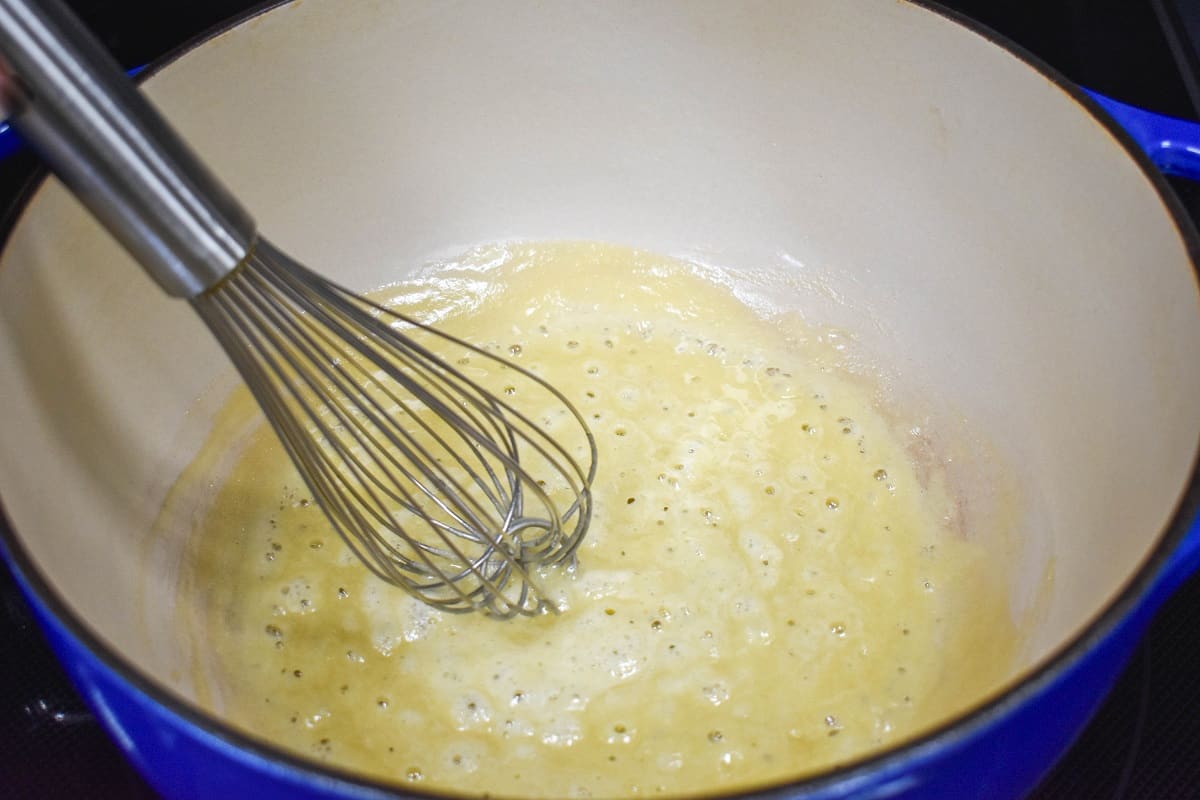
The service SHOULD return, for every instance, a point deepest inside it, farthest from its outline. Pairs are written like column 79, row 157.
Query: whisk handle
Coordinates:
column 107, row 143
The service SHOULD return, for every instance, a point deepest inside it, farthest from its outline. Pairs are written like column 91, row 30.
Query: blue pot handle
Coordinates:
column 11, row 141
column 1172, row 144
column 1184, row 563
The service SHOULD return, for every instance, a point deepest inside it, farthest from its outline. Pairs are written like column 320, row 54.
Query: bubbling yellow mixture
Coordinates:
column 771, row 584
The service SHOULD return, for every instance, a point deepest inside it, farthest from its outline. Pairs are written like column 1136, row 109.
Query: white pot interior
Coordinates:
column 885, row 170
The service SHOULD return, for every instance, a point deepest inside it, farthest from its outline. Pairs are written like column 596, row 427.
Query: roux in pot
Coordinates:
column 772, row 583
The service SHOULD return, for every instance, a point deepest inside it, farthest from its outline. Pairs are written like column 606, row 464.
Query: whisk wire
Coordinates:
column 463, row 389
column 359, row 425
column 295, row 338
column 333, row 494
column 369, row 418
column 426, row 474
column 255, row 360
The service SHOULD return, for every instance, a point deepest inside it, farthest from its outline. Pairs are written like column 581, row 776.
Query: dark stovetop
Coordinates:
column 1144, row 743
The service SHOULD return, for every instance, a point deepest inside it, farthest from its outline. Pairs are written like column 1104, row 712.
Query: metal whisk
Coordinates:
column 452, row 490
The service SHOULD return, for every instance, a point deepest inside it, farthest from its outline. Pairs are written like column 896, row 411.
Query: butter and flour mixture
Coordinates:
column 771, row 585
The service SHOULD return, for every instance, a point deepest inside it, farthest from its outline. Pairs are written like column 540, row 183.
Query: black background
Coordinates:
column 1144, row 742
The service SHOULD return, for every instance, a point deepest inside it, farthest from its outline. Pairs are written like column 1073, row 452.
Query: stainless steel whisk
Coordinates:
column 454, row 491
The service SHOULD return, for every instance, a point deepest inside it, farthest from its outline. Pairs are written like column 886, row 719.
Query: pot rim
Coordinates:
column 962, row 726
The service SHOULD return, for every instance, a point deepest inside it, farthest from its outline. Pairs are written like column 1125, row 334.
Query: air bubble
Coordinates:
column 514, row 350
column 715, row 694
column 881, row 475
column 838, row 629
column 831, row 503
